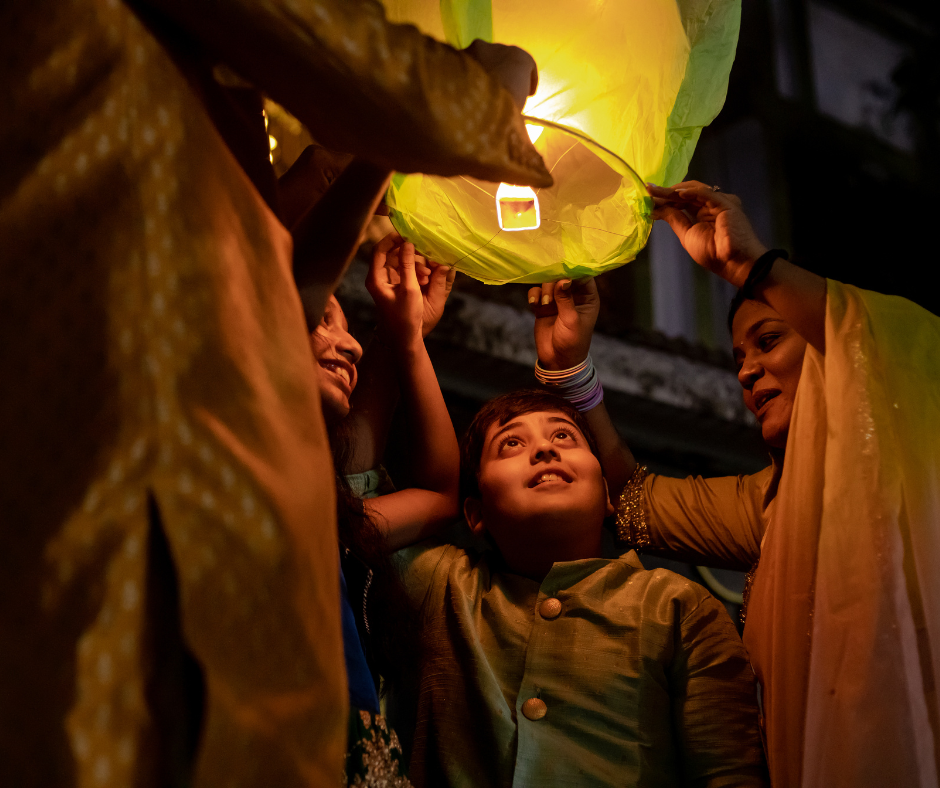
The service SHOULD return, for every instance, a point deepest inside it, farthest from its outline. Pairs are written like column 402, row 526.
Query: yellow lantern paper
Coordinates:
column 624, row 90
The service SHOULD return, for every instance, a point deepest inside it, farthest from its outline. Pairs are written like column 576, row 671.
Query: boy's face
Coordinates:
column 538, row 478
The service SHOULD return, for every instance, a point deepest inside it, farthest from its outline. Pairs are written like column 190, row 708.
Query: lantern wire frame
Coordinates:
column 596, row 217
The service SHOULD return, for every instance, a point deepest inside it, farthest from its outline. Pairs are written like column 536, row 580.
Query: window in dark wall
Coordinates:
column 852, row 65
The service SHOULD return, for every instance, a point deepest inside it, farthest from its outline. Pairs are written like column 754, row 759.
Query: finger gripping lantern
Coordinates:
column 624, row 90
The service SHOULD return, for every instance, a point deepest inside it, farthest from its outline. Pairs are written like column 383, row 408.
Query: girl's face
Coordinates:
column 769, row 356
column 337, row 353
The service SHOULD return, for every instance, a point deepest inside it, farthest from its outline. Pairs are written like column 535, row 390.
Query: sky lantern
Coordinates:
column 625, row 87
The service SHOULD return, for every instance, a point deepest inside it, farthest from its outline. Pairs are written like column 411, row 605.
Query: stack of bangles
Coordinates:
column 579, row 385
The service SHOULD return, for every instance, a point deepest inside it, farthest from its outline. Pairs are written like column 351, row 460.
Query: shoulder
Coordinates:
column 683, row 604
column 666, row 590
column 433, row 564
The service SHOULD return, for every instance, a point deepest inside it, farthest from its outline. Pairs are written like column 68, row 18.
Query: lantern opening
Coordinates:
column 517, row 208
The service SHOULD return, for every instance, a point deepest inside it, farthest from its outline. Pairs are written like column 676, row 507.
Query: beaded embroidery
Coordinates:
column 632, row 527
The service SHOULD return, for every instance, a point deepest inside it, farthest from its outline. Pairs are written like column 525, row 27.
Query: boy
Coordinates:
column 544, row 663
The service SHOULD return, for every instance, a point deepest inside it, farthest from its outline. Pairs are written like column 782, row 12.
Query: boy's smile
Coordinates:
column 543, row 478
column 540, row 451
column 542, row 489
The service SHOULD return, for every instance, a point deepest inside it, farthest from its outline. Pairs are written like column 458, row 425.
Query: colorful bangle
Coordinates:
column 579, row 385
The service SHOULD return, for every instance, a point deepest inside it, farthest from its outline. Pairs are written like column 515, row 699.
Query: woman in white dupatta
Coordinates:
column 843, row 531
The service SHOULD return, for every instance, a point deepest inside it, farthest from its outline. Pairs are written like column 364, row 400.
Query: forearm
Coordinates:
column 435, row 463
column 616, row 458
column 411, row 515
column 327, row 236
column 800, row 298
column 373, row 405
column 414, row 514
column 334, row 64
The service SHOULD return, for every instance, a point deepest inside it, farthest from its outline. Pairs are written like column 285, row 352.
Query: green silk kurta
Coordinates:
column 644, row 678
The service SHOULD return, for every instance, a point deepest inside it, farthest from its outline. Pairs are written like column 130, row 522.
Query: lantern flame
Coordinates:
column 517, row 208
column 534, row 131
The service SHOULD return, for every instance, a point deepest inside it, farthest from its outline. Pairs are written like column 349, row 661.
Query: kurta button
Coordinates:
column 535, row 708
column 550, row 608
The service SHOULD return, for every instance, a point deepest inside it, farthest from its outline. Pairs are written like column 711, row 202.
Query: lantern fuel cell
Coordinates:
column 517, row 208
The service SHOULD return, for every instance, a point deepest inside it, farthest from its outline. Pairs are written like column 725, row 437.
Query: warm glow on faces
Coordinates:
column 336, row 353
column 538, row 475
column 769, row 356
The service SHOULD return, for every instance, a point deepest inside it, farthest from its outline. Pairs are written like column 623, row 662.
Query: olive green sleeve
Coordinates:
column 717, row 521
column 715, row 702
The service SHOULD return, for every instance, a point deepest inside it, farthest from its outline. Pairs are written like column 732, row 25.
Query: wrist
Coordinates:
column 740, row 265
column 408, row 346
column 400, row 339
column 760, row 270
column 579, row 384
column 557, row 361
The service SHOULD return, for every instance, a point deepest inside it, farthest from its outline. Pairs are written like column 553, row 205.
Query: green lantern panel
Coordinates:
column 595, row 217
column 625, row 87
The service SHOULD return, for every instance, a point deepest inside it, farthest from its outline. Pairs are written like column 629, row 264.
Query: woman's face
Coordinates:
column 337, row 354
column 769, row 357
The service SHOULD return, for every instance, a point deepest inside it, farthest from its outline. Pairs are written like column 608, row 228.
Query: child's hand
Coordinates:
column 565, row 314
column 436, row 280
column 393, row 285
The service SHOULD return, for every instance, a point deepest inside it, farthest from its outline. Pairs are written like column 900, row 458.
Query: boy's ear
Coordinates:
column 473, row 511
column 610, row 507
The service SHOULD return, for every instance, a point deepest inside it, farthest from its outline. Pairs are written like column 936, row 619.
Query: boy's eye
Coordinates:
column 509, row 442
column 564, row 435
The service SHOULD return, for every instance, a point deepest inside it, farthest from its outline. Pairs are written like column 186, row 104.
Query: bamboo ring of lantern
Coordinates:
column 595, row 217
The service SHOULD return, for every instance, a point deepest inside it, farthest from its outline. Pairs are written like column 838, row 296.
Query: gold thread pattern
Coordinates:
column 632, row 527
column 746, row 595
column 375, row 757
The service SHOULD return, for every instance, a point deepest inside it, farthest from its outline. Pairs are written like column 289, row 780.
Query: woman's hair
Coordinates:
column 739, row 298
column 393, row 628
column 500, row 411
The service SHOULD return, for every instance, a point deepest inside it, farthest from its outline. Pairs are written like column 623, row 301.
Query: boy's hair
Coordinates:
column 500, row 411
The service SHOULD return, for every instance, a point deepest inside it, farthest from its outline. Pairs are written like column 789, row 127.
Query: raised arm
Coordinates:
column 565, row 314
column 716, row 233
column 339, row 66
column 717, row 522
column 377, row 394
column 327, row 235
column 412, row 514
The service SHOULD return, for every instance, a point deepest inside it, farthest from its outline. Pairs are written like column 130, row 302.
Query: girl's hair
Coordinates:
column 501, row 410
column 393, row 627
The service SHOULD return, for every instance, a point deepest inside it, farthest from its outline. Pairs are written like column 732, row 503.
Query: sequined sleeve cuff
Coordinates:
column 632, row 527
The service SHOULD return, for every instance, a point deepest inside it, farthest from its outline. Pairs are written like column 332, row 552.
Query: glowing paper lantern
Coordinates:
column 625, row 88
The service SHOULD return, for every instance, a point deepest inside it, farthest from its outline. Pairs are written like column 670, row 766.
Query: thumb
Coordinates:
column 441, row 283
column 676, row 219
column 564, row 296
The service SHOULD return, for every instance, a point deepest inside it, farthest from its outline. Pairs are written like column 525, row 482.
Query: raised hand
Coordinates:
column 711, row 226
column 393, row 285
column 436, row 280
column 565, row 313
